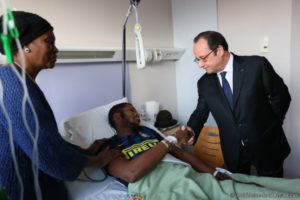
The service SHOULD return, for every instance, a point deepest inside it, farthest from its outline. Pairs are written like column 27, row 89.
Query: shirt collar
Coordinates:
column 229, row 65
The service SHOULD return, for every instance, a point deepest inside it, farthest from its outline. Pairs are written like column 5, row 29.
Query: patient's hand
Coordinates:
column 222, row 177
column 185, row 135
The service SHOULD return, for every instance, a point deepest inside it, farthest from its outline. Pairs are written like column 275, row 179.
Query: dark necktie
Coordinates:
column 226, row 89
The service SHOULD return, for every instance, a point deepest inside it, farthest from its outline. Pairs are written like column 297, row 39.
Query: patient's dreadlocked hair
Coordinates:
column 116, row 109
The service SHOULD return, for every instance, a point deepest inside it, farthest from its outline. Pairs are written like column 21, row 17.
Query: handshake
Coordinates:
column 185, row 135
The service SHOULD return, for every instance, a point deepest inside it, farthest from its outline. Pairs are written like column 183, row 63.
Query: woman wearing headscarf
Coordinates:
column 55, row 160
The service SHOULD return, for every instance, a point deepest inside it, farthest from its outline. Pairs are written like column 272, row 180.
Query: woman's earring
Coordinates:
column 27, row 50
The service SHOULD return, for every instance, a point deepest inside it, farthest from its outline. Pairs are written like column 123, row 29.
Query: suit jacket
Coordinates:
column 260, row 102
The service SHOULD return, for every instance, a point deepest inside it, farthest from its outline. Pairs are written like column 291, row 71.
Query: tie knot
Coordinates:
column 223, row 74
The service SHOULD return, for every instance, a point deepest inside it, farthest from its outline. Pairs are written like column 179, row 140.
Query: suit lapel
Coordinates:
column 238, row 77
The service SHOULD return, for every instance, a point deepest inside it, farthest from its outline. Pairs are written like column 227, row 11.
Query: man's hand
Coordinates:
column 221, row 174
column 222, row 177
column 185, row 135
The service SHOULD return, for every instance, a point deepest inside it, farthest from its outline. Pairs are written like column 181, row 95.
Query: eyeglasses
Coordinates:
column 203, row 59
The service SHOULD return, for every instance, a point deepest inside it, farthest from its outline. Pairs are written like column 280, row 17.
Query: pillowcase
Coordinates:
column 84, row 128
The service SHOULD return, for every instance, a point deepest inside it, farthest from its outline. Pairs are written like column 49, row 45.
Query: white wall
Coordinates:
column 294, row 136
column 243, row 23
column 98, row 23
column 190, row 18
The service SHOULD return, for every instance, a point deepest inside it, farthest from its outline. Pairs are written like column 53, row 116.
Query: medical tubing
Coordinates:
column 10, row 23
column 11, row 142
column 90, row 179
column 6, row 115
column 26, row 98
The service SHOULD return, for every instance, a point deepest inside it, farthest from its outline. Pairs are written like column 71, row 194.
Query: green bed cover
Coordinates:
column 174, row 181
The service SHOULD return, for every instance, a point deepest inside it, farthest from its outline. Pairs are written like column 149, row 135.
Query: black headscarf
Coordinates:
column 30, row 27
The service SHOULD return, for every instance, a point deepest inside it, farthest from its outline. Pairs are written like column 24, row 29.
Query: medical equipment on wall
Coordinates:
column 10, row 32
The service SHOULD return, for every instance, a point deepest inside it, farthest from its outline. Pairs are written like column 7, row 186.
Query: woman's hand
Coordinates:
column 107, row 155
column 95, row 147
column 103, row 158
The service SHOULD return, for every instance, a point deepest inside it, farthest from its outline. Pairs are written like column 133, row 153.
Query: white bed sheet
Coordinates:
column 109, row 189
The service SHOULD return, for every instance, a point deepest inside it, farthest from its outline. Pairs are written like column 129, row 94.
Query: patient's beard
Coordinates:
column 134, row 127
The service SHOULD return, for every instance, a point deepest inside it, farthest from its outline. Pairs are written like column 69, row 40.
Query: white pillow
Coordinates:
column 84, row 128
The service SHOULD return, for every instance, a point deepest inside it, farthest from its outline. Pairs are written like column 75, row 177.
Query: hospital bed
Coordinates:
column 92, row 184
column 83, row 129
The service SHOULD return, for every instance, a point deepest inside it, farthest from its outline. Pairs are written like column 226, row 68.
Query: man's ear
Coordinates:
column 220, row 50
column 117, row 117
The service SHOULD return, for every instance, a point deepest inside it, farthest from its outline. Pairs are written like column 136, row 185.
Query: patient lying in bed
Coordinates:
column 140, row 165
column 142, row 147
column 149, row 178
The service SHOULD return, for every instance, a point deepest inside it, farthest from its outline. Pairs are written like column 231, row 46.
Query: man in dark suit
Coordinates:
column 248, row 102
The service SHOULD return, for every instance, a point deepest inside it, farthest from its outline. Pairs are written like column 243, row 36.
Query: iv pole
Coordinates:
column 133, row 3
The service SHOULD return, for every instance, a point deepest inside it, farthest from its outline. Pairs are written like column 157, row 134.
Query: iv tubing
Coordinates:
column 11, row 142
column 9, row 123
column 26, row 98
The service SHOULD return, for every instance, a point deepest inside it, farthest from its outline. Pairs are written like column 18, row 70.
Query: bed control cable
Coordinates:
column 88, row 178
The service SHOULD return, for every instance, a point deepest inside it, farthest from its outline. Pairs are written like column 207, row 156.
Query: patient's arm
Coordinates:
column 195, row 162
column 192, row 159
column 132, row 170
